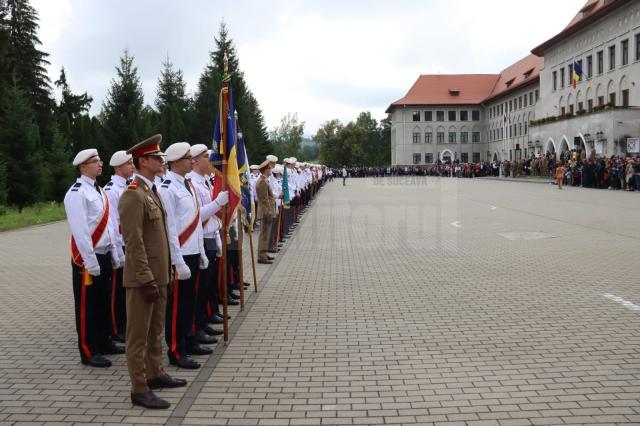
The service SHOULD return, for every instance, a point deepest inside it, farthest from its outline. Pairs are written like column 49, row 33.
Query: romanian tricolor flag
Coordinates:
column 576, row 74
column 224, row 155
column 248, row 207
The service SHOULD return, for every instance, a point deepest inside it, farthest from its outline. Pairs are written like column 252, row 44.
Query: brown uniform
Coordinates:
column 266, row 213
column 147, row 260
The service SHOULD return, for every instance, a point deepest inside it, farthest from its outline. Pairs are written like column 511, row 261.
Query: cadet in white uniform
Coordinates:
column 94, row 253
column 123, row 167
column 186, row 245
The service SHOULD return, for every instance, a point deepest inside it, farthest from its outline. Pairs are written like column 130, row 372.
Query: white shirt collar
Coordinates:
column 88, row 180
column 197, row 177
column 174, row 176
column 119, row 180
column 145, row 180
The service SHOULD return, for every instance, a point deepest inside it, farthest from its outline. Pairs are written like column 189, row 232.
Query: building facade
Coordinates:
column 532, row 107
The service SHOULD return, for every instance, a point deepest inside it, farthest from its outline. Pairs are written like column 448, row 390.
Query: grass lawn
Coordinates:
column 35, row 215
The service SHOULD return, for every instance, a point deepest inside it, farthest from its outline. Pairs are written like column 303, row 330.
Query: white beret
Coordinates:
column 177, row 150
column 264, row 164
column 278, row 169
column 272, row 158
column 198, row 149
column 254, row 167
column 84, row 155
column 119, row 158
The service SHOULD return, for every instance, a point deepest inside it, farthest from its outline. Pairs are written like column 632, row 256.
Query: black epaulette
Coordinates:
column 110, row 183
column 165, row 183
column 76, row 186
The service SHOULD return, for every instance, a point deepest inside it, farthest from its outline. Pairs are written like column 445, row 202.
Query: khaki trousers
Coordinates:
column 265, row 235
column 145, row 322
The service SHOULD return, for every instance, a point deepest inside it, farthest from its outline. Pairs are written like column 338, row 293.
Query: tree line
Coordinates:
column 39, row 135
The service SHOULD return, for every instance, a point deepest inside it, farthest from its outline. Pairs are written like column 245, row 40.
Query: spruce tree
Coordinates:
column 60, row 171
column 71, row 105
column 124, row 121
column 26, row 63
column 172, row 103
column 205, row 106
column 19, row 142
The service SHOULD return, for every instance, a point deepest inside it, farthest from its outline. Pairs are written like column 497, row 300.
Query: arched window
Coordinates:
column 452, row 135
column 624, row 91
column 440, row 134
column 464, row 134
column 416, row 134
column 428, row 135
column 611, row 93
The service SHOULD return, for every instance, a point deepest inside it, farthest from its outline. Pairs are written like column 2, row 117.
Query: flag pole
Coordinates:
column 225, row 210
column 253, row 260
column 241, row 263
column 279, row 227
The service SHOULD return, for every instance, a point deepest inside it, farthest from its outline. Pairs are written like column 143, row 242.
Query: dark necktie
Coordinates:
column 206, row 182
column 154, row 189
column 97, row 187
column 188, row 186
column 128, row 181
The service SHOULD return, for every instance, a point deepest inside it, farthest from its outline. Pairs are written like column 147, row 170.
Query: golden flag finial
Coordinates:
column 226, row 63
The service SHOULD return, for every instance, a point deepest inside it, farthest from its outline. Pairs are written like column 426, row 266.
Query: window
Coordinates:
column 600, row 62
column 570, row 75
column 537, row 95
column 625, row 98
column 428, row 137
column 464, row 157
column 452, row 116
column 563, row 112
column 525, row 100
column 475, row 137
column 476, row 157
column 475, row 115
column 638, row 47
column 530, row 98
column 600, row 101
column 428, row 158
column 612, row 57
column 555, row 79
column 416, row 137
column 612, row 99
column 580, row 106
column 526, row 128
column 625, row 52
column 562, row 77
column 464, row 115
column 571, row 109
column 520, row 102
column 590, row 105
column 416, row 115
column 520, row 129
column 428, row 116
column 416, row 158
column 589, row 66
column 439, row 115
column 440, row 137
column 510, row 106
column 464, row 137
column 452, row 137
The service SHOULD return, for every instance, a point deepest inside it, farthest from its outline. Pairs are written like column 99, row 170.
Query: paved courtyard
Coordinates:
column 398, row 301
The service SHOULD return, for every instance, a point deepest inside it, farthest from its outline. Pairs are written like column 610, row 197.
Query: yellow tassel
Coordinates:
column 87, row 279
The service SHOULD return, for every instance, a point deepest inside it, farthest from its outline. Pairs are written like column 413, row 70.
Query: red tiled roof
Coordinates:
column 472, row 89
column 440, row 90
column 523, row 72
column 590, row 12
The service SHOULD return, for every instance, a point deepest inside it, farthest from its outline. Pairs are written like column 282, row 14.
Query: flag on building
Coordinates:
column 576, row 74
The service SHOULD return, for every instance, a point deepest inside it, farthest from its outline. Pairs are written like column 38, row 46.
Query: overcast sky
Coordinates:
column 320, row 59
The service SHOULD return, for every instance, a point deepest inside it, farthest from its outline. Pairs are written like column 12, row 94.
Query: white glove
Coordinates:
column 204, row 262
column 184, row 273
column 94, row 271
column 223, row 198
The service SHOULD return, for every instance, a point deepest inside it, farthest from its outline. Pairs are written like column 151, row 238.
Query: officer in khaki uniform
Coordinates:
column 266, row 211
column 147, row 271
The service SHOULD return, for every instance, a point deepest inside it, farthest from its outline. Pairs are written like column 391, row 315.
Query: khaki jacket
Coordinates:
column 143, row 220
column 266, row 200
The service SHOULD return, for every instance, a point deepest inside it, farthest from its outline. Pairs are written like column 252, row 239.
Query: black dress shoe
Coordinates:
column 215, row 319
column 270, row 257
column 234, row 286
column 165, row 381
column 185, row 362
column 232, row 302
column 265, row 262
column 96, row 361
column 212, row 331
column 149, row 400
column 112, row 349
column 204, row 338
column 247, row 285
column 119, row 338
column 196, row 349
column 272, row 251
column 234, row 296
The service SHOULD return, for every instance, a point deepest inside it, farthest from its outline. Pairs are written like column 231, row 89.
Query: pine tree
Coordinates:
column 26, row 64
column 4, row 44
column 205, row 106
column 71, row 105
column 124, row 121
column 19, row 141
column 60, row 171
column 172, row 103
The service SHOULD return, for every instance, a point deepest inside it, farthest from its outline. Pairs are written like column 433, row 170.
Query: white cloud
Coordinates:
column 323, row 60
